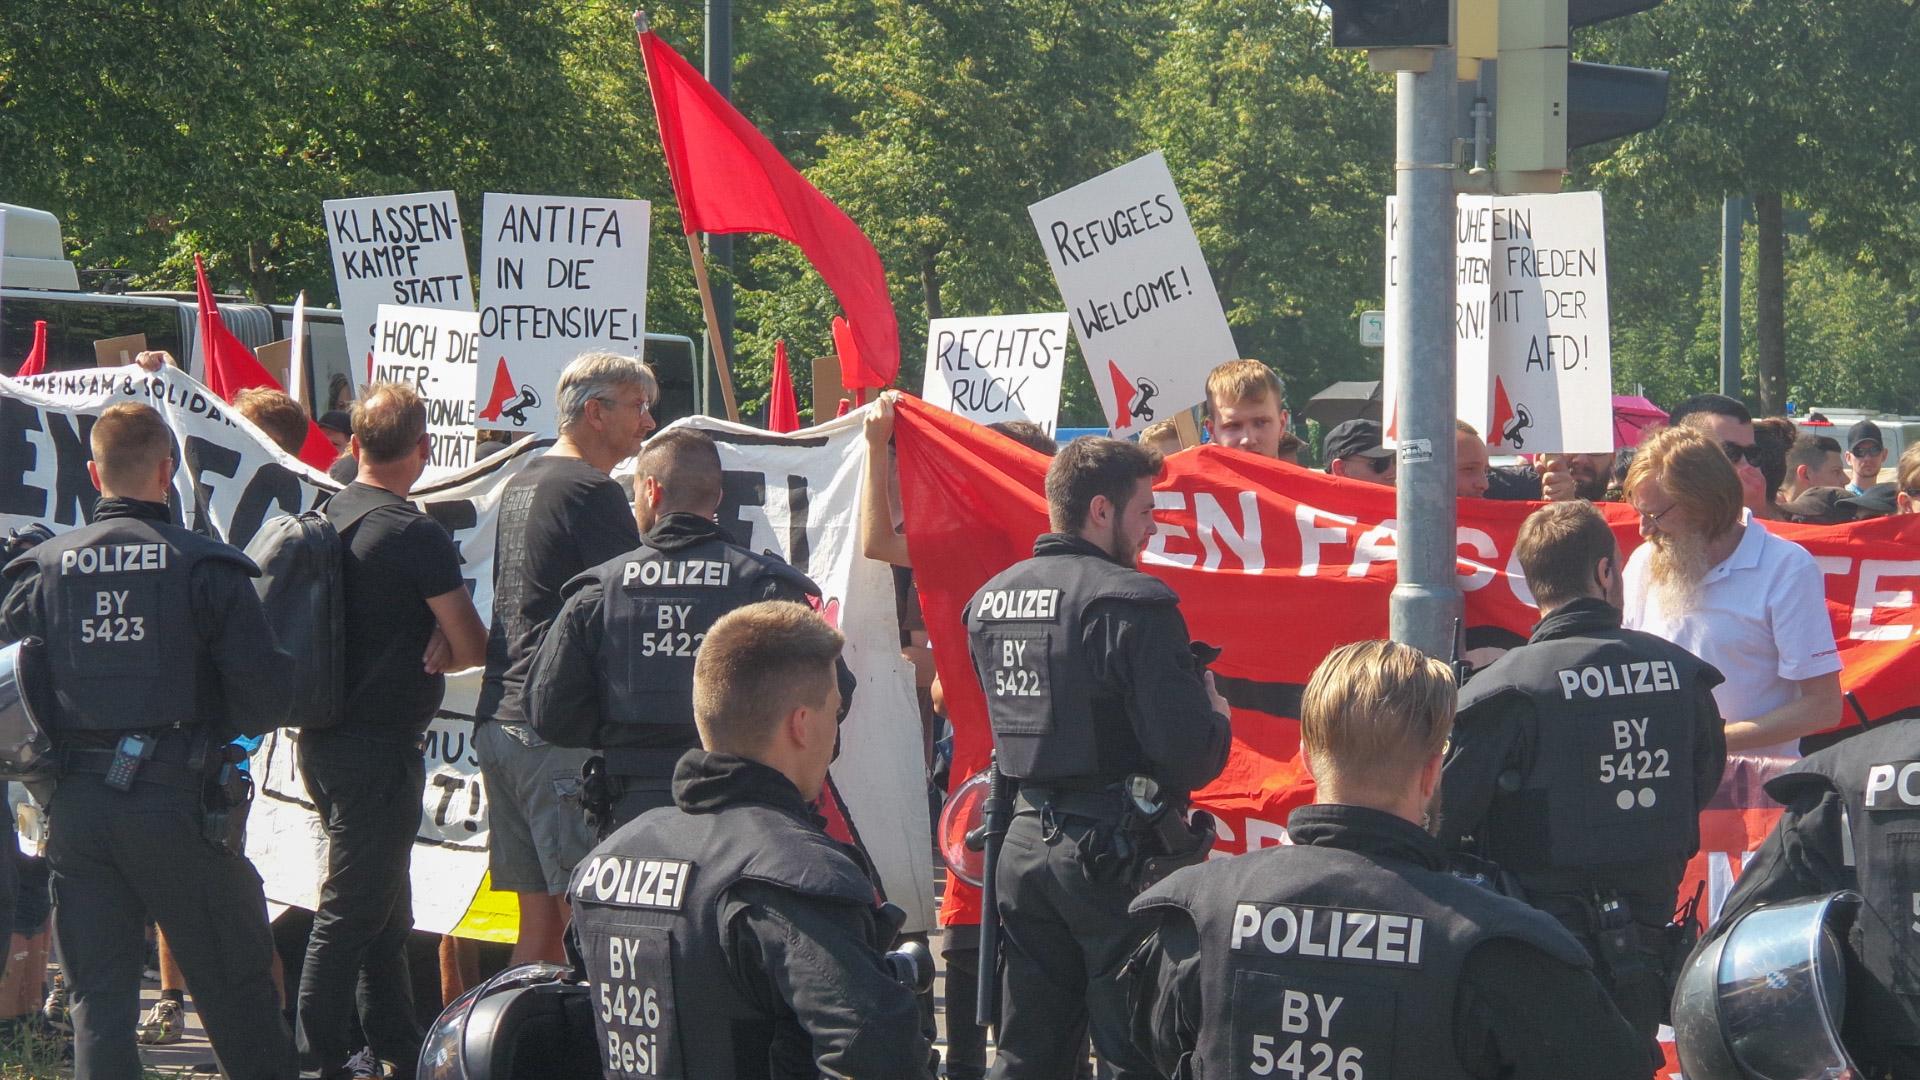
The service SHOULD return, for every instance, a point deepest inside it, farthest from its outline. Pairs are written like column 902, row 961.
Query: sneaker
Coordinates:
column 363, row 1065
column 163, row 1024
column 55, row 1008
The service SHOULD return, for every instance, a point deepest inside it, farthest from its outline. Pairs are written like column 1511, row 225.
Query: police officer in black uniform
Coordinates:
column 1581, row 762
column 1852, row 821
column 157, row 654
column 1090, row 680
column 615, row 671
column 732, row 937
column 1353, row 953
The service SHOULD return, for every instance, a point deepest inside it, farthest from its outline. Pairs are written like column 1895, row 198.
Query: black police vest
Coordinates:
column 650, row 911
column 1051, row 720
column 1611, row 780
column 123, row 649
column 656, row 607
column 1323, row 962
column 1877, row 775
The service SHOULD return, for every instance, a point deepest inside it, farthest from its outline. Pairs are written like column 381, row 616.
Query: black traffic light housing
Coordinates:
column 1390, row 24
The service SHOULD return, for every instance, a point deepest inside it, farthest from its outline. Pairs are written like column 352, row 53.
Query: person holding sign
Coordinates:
column 1352, row 952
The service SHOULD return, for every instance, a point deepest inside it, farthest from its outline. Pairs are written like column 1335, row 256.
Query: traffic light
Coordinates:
column 1546, row 105
column 1389, row 24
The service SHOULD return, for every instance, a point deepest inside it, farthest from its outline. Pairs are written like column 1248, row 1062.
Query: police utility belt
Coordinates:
column 1134, row 837
column 610, row 774
column 211, row 772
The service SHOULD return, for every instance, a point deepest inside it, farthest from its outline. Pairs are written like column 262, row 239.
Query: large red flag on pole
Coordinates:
column 231, row 367
column 729, row 179
column 783, row 412
column 36, row 361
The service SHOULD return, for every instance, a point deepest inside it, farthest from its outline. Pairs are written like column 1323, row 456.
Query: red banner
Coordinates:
column 1277, row 565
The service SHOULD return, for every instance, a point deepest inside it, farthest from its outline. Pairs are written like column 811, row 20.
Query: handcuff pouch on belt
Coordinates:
column 596, row 793
column 1148, row 840
column 226, row 795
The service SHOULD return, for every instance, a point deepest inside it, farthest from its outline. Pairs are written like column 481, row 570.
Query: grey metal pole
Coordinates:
column 719, row 56
column 1426, row 599
column 1733, row 209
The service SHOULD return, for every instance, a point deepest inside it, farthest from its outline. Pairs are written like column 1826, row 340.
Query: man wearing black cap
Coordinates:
column 337, row 426
column 1866, row 452
column 1353, row 451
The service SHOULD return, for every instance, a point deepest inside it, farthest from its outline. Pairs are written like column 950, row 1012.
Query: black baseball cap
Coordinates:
column 1355, row 438
column 1864, row 431
column 1876, row 501
column 339, row 420
column 1820, row 506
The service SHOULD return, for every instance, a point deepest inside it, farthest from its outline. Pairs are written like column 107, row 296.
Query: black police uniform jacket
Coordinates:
column 1352, row 953
column 1852, row 821
column 730, row 937
column 147, row 625
column 1582, row 759
column 615, row 671
column 1089, row 673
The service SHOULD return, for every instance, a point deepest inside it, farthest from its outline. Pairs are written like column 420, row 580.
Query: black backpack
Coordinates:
column 301, row 587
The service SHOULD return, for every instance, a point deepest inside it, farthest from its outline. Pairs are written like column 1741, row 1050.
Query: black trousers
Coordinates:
column 119, row 858
column 1064, row 940
column 368, row 796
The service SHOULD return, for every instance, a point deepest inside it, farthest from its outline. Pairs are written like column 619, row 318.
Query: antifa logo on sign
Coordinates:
column 1522, row 420
column 1142, row 409
column 517, row 412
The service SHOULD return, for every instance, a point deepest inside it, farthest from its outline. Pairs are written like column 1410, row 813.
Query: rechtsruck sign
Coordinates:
column 1136, row 284
column 558, row 277
column 395, row 249
column 998, row 367
column 1532, row 347
column 434, row 352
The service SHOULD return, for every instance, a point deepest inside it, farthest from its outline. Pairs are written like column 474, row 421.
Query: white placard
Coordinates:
column 395, row 249
column 435, row 353
column 1136, row 283
column 998, row 367
column 558, row 277
column 1532, row 347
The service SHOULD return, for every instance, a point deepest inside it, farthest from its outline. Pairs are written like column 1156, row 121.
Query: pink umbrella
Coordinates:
column 1632, row 416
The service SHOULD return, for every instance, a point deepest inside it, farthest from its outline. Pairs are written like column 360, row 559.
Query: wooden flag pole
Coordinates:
column 720, row 365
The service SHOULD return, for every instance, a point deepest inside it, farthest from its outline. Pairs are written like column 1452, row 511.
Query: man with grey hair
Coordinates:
column 559, row 516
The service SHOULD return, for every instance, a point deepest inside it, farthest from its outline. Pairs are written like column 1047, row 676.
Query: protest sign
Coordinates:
column 118, row 351
column 797, row 495
column 998, row 367
column 558, row 277
column 395, row 249
column 434, row 352
column 1534, row 368
column 1143, row 303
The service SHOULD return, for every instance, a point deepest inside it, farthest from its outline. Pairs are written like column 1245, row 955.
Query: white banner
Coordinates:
column 558, row 277
column 1144, row 306
column 395, row 249
column 434, row 352
column 998, row 367
column 798, row 495
column 1531, row 323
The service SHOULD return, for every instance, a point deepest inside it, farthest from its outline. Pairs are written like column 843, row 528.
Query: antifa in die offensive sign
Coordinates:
column 999, row 367
column 558, row 277
column 395, row 249
column 1143, row 303
column 434, row 352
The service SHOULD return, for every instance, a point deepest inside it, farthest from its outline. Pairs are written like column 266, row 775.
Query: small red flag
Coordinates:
column 231, row 367
column 728, row 178
column 783, row 412
column 36, row 361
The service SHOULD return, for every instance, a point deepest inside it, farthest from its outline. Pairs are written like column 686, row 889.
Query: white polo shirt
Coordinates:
column 1761, row 618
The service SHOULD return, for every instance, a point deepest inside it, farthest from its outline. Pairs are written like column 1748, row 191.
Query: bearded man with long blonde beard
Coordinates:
column 1715, row 582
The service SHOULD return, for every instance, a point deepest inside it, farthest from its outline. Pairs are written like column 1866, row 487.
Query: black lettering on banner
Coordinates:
column 202, row 457
column 73, row 490
column 273, row 486
column 799, row 550
column 18, row 457
column 739, row 490
column 458, row 517
column 1312, row 1028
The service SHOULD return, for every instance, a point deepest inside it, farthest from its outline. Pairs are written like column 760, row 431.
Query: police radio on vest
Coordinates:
column 1620, row 680
column 113, row 558
column 705, row 572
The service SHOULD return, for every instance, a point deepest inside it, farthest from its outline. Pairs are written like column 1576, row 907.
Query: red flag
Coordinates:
column 231, row 367
column 729, row 179
column 36, row 361
column 783, row 413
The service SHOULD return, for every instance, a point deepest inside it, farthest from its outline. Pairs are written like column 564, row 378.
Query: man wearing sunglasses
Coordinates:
column 1866, row 452
column 1727, row 422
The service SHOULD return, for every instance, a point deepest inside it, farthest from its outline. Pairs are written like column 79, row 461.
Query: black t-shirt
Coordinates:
column 558, row 517
column 396, row 558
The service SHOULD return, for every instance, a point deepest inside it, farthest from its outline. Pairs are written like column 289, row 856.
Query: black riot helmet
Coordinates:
column 1765, row 999
column 526, row 1023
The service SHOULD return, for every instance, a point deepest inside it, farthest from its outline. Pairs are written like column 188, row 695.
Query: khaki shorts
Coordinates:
column 537, row 829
